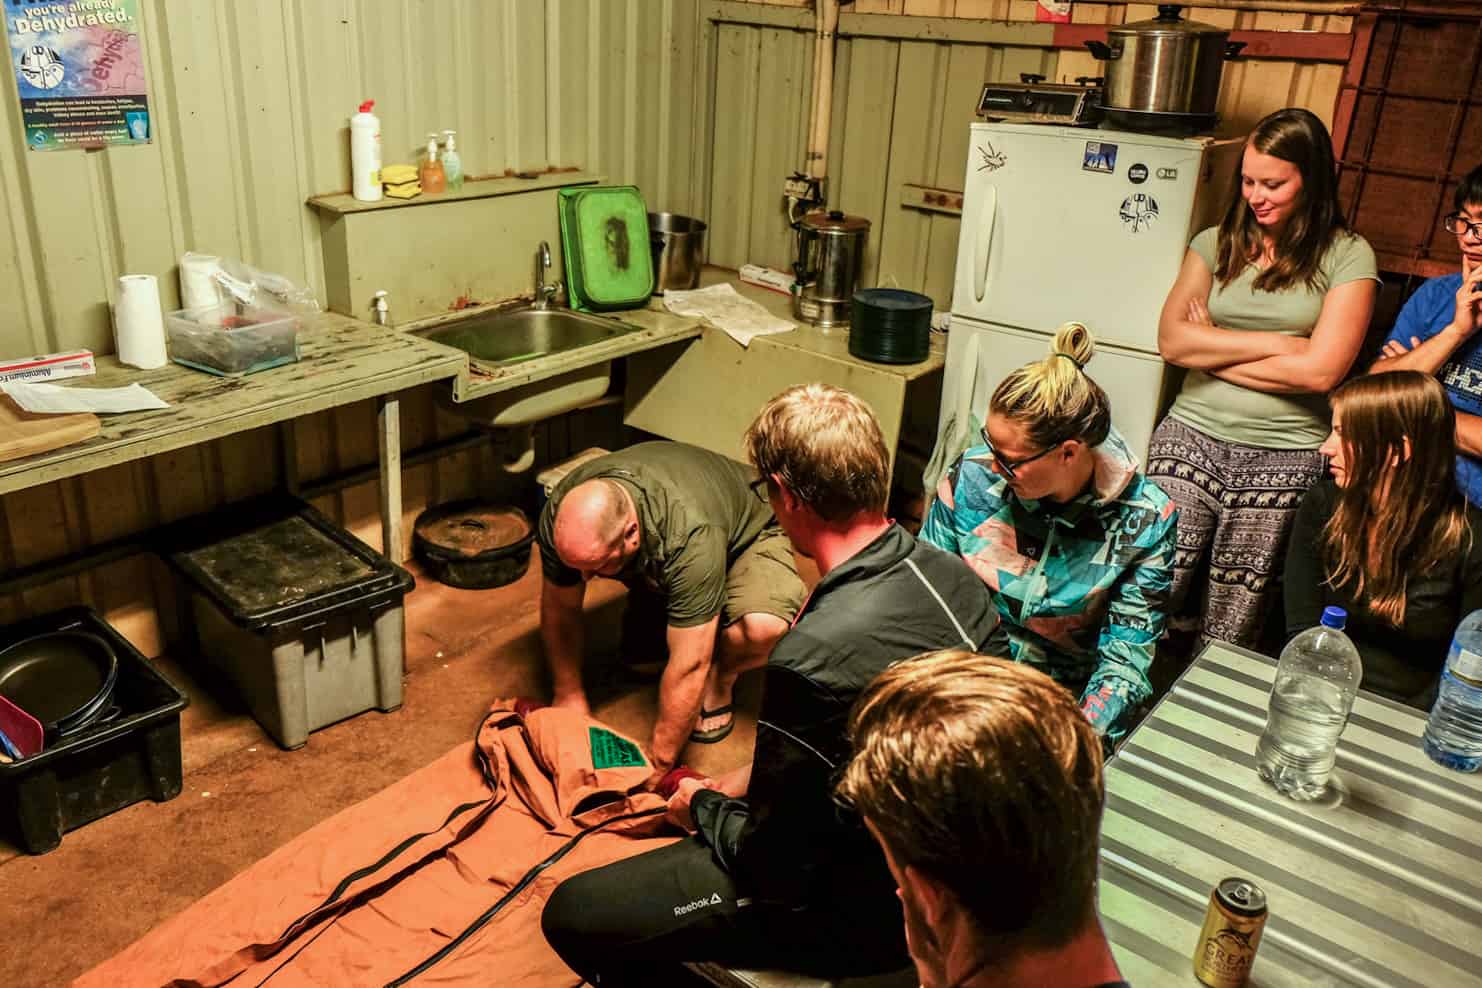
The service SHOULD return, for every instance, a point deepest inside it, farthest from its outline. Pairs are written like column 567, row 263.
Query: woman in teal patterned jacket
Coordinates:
column 1074, row 542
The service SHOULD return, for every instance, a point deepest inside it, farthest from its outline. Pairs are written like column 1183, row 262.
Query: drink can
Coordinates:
column 1231, row 933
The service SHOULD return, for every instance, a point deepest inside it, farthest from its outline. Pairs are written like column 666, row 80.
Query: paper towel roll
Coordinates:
column 138, row 322
column 198, row 285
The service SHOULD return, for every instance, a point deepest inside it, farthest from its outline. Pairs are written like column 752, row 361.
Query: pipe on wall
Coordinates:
column 825, row 33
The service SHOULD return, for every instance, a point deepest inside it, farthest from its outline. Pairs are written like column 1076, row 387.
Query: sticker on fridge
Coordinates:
column 1138, row 211
column 990, row 160
column 1100, row 157
column 79, row 70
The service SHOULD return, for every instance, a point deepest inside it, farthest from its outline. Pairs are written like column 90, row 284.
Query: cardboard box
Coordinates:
column 49, row 367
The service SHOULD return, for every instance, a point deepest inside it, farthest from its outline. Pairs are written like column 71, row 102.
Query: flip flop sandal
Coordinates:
column 715, row 734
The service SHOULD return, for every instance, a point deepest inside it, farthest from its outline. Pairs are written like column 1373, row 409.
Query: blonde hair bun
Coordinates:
column 1075, row 341
column 1053, row 398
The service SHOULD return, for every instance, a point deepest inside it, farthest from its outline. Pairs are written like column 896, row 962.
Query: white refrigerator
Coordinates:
column 1066, row 223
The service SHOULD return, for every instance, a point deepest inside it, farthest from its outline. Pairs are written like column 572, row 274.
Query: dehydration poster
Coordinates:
column 79, row 69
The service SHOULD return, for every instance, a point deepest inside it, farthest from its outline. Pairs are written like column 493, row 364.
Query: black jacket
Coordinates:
column 1401, row 663
column 788, row 841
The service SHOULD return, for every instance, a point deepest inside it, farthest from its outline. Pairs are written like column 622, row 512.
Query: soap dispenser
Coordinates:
column 433, row 178
column 452, row 164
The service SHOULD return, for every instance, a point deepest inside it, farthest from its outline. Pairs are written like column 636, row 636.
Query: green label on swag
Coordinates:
column 611, row 751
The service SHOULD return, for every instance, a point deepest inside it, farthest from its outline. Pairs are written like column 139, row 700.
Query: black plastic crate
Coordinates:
column 134, row 756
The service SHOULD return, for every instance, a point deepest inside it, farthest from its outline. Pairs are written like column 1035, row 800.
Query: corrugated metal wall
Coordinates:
column 901, row 113
column 251, row 102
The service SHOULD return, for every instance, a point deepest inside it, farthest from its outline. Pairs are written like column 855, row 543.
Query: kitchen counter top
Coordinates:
column 341, row 360
column 830, row 343
column 656, row 327
column 706, row 391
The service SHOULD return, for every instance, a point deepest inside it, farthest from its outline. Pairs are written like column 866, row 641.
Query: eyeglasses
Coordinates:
column 759, row 488
column 1007, row 465
column 1460, row 225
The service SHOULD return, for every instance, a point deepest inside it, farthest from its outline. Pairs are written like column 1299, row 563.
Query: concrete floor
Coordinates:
column 111, row 881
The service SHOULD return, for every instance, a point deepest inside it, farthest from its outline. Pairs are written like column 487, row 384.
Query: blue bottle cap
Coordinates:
column 1334, row 617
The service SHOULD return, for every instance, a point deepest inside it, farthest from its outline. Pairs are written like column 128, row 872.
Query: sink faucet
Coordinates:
column 544, row 292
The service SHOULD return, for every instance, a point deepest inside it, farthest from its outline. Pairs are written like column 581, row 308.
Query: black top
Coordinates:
column 1400, row 663
column 788, row 841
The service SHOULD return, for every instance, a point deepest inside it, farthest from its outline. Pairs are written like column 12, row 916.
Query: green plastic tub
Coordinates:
column 605, row 239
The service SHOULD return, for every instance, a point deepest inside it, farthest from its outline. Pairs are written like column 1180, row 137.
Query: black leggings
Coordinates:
column 622, row 923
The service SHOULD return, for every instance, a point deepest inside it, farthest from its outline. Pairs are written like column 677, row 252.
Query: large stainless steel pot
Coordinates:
column 679, row 250
column 1164, row 72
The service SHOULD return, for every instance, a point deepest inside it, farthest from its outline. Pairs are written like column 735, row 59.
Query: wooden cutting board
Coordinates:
column 23, row 433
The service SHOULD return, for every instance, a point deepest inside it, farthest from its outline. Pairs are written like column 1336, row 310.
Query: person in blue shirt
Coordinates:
column 1436, row 333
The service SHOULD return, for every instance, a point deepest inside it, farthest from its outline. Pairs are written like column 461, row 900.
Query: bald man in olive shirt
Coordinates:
column 688, row 533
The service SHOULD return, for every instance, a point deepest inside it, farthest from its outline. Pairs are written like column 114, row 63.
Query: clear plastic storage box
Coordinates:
column 231, row 339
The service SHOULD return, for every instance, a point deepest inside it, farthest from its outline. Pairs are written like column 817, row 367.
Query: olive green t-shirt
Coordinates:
column 695, row 514
column 1254, row 418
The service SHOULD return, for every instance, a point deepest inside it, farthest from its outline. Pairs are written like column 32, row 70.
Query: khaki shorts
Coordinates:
column 763, row 580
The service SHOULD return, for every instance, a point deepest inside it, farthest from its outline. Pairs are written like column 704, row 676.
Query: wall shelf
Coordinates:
column 344, row 204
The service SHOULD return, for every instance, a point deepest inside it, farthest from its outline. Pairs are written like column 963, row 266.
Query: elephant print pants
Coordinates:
column 1235, row 509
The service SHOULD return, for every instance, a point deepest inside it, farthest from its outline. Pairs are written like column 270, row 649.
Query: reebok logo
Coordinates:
column 714, row 900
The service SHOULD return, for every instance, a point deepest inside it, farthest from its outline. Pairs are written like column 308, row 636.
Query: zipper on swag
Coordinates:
column 485, row 769
column 509, row 896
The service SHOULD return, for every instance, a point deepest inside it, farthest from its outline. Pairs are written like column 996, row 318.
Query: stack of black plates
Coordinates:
column 890, row 326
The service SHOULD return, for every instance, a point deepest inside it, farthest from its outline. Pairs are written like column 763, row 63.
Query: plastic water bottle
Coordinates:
column 1453, row 735
column 1316, row 681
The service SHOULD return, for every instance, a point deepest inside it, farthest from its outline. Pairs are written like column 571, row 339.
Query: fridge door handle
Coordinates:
column 983, row 242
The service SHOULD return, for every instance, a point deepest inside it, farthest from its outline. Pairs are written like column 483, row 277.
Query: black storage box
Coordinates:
column 134, row 755
column 303, row 618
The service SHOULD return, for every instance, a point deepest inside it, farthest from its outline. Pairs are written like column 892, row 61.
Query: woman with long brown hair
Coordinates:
column 1387, row 536
column 1268, row 314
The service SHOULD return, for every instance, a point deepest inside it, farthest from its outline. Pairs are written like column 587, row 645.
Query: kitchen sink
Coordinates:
column 505, row 340
column 517, row 335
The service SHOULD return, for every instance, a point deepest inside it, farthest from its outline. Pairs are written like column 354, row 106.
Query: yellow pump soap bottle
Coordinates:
column 431, row 172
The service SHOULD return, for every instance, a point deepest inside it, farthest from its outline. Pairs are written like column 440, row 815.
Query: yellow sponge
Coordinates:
column 398, row 174
column 406, row 190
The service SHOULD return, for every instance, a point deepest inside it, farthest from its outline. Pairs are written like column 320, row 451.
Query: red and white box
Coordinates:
column 50, row 367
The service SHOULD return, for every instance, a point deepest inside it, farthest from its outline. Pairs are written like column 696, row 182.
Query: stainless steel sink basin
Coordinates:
column 512, row 337
column 517, row 335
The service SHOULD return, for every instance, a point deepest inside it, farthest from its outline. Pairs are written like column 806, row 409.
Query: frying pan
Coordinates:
column 63, row 678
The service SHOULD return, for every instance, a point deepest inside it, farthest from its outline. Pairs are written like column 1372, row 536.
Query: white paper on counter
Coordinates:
column 57, row 398
column 724, row 308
